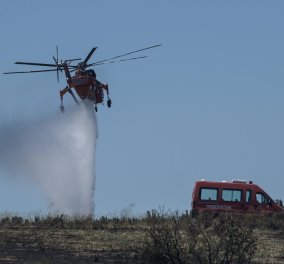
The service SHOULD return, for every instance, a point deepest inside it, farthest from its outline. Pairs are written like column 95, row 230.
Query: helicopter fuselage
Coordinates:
column 85, row 84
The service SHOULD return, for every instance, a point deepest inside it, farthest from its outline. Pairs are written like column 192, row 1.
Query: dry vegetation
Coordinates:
column 156, row 238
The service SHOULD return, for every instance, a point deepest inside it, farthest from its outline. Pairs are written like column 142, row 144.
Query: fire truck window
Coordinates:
column 260, row 198
column 230, row 195
column 208, row 194
column 248, row 196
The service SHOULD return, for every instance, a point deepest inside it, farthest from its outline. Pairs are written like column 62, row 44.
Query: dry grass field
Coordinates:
column 155, row 238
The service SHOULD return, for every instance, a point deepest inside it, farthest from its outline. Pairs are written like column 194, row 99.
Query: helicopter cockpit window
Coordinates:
column 91, row 72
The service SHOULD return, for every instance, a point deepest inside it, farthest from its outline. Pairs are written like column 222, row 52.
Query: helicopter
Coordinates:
column 84, row 80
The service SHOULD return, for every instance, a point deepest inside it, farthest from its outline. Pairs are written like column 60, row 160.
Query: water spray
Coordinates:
column 58, row 153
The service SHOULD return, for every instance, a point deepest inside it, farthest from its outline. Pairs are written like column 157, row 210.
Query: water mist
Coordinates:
column 58, row 153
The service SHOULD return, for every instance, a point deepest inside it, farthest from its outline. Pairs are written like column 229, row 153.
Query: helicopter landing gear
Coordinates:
column 61, row 105
column 109, row 103
column 62, row 108
column 96, row 108
column 62, row 92
column 108, row 99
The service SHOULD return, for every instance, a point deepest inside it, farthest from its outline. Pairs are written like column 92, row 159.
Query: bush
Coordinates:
column 206, row 239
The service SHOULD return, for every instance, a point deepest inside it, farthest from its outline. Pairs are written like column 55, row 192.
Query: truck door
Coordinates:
column 248, row 206
column 232, row 199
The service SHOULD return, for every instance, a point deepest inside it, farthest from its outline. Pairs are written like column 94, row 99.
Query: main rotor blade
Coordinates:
column 73, row 60
column 89, row 55
column 135, row 58
column 128, row 53
column 29, row 71
column 36, row 64
column 72, row 66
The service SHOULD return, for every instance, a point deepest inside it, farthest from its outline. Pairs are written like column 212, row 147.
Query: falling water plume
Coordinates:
column 58, row 153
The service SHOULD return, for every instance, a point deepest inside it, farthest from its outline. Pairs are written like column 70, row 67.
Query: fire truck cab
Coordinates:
column 237, row 196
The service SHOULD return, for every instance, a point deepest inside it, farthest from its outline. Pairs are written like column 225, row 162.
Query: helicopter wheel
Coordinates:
column 109, row 103
column 96, row 109
column 62, row 109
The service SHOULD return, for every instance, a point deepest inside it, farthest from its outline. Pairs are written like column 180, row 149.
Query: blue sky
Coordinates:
column 207, row 104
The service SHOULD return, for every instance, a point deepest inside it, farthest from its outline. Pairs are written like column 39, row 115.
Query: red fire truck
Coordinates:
column 237, row 196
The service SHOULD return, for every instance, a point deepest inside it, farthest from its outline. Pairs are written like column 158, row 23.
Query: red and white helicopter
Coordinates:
column 84, row 81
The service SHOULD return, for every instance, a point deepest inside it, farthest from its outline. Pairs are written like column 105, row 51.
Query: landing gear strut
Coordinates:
column 108, row 99
column 109, row 103
column 62, row 108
